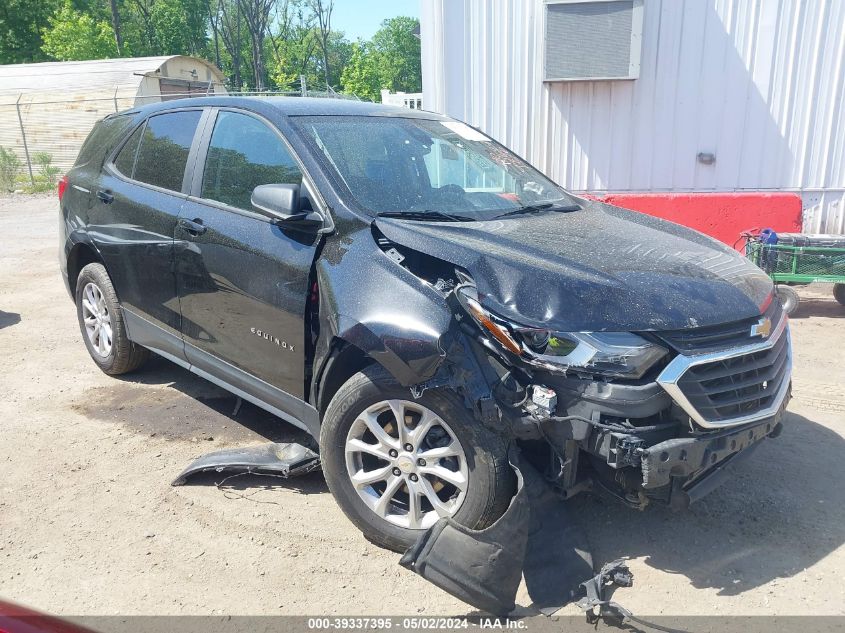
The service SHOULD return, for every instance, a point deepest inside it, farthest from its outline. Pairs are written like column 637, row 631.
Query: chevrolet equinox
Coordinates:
column 418, row 298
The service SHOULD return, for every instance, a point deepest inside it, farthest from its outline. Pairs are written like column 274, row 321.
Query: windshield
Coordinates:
column 419, row 168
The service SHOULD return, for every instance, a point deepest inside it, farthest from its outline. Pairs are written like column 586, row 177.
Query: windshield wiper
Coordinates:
column 433, row 216
column 536, row 208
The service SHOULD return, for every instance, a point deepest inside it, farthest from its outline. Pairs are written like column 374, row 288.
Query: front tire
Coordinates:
column 396, row 464
column 101, row 323
column 839, row 293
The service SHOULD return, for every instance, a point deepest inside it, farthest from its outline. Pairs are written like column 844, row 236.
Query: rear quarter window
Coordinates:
column 102, row 139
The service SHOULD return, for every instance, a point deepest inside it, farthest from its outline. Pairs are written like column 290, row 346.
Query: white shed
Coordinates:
column 51, row 107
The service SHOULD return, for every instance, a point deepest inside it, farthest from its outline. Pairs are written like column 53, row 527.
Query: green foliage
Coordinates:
column 10, row 166
column 361, row 75
column 21, row 24
column 73, row 35
column 46, row 169
column 218, row 30
column 398, row 55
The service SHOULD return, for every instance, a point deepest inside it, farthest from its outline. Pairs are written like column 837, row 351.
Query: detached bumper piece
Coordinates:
column 535, row 537
column 280, row 460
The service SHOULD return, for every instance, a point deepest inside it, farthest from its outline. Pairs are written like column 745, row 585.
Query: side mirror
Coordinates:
column 282, row 205
column 279, row 202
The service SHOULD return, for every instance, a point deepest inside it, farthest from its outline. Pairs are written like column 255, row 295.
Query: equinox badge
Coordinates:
column 271, row 338
column 762, row 328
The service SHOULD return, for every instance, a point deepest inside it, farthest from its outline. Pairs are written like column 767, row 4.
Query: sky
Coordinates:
column 361, row 18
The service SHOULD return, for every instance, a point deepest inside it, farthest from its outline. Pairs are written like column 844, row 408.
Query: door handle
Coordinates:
column 106, row 197
column 194, row 227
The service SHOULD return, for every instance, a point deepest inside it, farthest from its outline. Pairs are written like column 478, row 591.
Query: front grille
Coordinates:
column 706, row 339
column 723, row 377
column 724, row 389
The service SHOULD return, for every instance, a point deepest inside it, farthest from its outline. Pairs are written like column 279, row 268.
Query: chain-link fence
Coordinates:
column 41, row 134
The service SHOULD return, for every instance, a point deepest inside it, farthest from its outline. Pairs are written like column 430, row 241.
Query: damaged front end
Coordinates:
column 646, row 416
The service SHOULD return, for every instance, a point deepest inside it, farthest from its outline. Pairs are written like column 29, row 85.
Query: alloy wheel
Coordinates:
column 406, row 464
column 97, row 320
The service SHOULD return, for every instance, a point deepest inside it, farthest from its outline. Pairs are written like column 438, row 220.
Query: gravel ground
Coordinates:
column 90, row 525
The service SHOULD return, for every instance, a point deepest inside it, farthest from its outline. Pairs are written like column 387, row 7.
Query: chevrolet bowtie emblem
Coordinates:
column 762, row 328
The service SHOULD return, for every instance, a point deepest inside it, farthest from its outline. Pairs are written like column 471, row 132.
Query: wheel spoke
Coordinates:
column 365, row 478
column 433, row 454
column 414, row 510
column 399, row 414
column 393, row 485
column 378, row 450
column 376, row 429
column 441, row 508
column 105, row 330
column 423, row 427
column 89, row 307
column 457, row 479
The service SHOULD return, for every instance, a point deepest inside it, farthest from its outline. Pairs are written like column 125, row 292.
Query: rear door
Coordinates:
column 137, row 204
column 242, row 280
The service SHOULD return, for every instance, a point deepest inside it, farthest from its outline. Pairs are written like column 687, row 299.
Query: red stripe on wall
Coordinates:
column 720, row 215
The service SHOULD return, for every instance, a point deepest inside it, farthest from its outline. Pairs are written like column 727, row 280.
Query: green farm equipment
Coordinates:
column 796, row 259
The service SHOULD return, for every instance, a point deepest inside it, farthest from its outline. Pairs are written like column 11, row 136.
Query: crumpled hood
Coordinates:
column 601, row 268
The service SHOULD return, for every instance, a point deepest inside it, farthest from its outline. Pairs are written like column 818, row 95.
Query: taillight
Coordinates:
column 62, row 187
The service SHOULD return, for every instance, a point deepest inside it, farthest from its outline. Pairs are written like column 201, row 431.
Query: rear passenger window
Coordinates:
column 125, row 161
column 243, row 154
column 165, row 144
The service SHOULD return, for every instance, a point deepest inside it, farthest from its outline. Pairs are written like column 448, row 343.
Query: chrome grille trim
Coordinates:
column 672, row 373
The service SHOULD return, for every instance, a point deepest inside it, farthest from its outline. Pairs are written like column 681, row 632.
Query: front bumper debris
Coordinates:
column 280, row 460
column 536, row 537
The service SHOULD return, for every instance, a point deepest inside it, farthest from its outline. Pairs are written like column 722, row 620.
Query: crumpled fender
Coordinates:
column 390, row 314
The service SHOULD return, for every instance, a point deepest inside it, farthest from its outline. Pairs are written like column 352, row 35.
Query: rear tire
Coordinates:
column 479, row 464
column 101, row 323
column 839, row 293
column 788, row 298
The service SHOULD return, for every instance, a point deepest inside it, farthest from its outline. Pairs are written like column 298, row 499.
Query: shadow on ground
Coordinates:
column 818, row 307
column 9, row 318
column 781, row 512
column 190, row 408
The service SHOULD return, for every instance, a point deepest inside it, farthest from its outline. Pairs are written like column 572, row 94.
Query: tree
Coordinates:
column 399, row 54
column 21, row 25
column 323, row 12
column 73, row 35
column 360, row 76
column 257, row 16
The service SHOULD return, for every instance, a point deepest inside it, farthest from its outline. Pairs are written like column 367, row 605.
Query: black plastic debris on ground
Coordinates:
column 278, row 459
column 536, row 537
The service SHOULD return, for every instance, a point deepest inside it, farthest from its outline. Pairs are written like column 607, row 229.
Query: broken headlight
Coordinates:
column 613, row 354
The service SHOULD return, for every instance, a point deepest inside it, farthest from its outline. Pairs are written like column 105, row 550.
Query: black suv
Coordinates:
column 418, row 298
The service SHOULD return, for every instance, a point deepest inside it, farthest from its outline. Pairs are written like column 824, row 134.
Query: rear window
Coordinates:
column 165, row 143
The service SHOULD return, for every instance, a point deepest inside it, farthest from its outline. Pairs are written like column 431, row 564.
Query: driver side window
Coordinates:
column 243, row 154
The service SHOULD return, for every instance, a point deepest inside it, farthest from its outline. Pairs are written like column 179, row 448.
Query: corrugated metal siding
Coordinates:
column 758, row 83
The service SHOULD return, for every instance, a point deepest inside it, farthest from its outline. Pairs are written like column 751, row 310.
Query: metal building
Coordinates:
column 657, row 96
column 51, row 107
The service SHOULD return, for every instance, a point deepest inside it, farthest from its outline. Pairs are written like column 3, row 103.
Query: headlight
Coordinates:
column 614, row 354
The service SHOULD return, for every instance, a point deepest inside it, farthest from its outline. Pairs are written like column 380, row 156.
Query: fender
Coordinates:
column 391, row 315
column 71, row 261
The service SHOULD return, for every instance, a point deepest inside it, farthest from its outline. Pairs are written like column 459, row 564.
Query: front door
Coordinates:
column 138, row 200
column 243, row 281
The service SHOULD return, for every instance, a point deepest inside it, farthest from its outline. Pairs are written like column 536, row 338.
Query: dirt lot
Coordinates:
column 90, row 525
